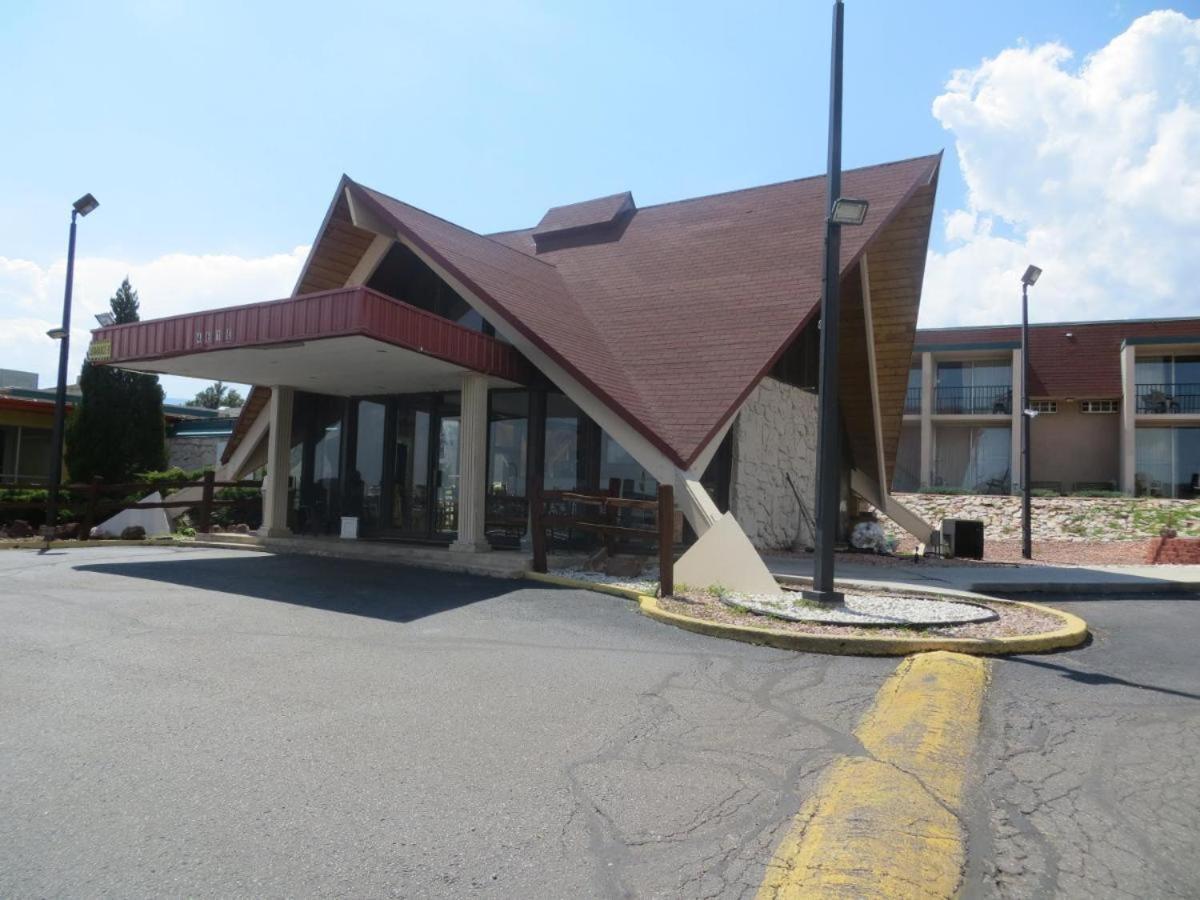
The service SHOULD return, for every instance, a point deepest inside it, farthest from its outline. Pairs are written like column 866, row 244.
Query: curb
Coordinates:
column 887, row 821
column 1074, row 630
column 82, row 545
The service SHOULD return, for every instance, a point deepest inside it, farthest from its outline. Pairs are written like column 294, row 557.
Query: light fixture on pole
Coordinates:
column 105, row 319
column 81, row 207
column 1032, row 274
column 839, row 211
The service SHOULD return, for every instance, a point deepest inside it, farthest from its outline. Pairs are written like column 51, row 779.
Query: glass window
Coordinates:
column 1167, row 462
column 8, row 453
column 973, row 459
column 564, row 449
column 616, row 463
column 907, row 474
column 366, row 486
column 33, row 462
column 402, row 274
column 508, row 432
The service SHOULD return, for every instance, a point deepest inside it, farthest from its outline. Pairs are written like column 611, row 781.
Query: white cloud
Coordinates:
column 1091, row 172
column 31, row 300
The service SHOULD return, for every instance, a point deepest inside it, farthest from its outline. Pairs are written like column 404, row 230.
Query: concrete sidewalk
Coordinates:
column 1006, row 579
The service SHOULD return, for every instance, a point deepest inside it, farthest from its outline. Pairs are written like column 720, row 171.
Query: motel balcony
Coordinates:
column 1168, row 399
column 971, row 400
column 912, row 402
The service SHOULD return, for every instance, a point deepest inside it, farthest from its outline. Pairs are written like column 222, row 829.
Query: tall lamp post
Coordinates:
column 1027, row 281
column 839, row 211
column 82, row 207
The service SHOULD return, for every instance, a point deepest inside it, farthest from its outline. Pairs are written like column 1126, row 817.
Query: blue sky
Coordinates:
column 221, row 128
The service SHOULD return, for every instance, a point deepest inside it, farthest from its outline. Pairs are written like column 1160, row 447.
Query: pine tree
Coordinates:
column 116, row 428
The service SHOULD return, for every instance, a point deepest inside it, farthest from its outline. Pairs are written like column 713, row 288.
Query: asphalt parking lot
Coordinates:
column 1088, row 777
column 228, row 723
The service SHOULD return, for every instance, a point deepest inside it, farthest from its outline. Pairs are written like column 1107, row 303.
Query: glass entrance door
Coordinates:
column 422, row 477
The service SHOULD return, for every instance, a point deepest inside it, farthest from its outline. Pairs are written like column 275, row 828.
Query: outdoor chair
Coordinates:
column 1003, row 404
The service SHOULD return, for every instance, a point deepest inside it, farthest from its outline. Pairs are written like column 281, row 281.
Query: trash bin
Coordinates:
column 962, row 538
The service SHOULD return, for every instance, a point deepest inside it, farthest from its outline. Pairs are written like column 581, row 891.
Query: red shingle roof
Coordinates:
column 1086, row 365
column 675, row 321
column 588, row 214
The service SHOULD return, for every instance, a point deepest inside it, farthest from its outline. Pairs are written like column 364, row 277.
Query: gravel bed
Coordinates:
column 646, row 583
column 867, row 609
column 1011, row 621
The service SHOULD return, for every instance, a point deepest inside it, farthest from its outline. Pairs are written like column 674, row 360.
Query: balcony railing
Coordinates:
column 1168, row 399
column 976, row 400
column 912, row 400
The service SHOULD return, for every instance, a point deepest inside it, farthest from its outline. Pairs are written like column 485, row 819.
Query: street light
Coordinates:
column 81, row 207
column 105, row 319
column 1032, row 274
column 839, row 211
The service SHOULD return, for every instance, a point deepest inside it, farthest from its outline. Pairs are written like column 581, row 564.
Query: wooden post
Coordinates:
column 610, row 517
column 89, row 511
column 666, row 540
column 206, row 501
column 537, row 529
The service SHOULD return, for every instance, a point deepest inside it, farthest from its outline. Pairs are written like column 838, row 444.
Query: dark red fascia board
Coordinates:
column 341, row 312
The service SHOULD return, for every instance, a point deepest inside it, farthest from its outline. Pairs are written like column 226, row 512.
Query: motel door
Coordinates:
column 422, row 482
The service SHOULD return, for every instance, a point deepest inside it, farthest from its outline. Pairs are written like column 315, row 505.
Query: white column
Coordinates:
column 279, row 463
column 926, row 420
column 1128, row 418
column 1019, row 421
column 472, row 464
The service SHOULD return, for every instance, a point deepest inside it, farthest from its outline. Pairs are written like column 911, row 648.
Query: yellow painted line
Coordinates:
column 886, row 824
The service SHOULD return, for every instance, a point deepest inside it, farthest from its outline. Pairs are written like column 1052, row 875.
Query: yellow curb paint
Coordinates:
column 886, row 825
column 1072, row 632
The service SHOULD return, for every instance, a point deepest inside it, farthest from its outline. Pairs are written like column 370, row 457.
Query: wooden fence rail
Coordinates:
column 608, row 504
column 95, row 504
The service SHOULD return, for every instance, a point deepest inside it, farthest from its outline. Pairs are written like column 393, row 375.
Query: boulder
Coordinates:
column 20, row 529
column 68, row 531
column 133, row 533
column 241, row 528
column 99, row 534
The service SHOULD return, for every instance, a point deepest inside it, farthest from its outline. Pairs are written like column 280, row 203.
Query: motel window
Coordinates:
column 907, row 474
column 977, row 460
column 1098, row 406
column 1044, row 406
column 1167, row 462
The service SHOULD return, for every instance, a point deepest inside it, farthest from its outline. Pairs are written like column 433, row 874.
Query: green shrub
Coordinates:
column 949, row 491
column 1044, row 492
column 1096, row 493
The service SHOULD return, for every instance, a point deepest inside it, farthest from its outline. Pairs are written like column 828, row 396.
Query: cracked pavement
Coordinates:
column 1091, row 761
column 211, row 722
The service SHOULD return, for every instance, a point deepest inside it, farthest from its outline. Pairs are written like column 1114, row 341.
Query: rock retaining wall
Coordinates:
column 775, row 435
column 1061, row 518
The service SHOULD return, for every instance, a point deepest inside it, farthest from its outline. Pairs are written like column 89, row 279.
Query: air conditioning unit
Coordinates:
column 962, row 538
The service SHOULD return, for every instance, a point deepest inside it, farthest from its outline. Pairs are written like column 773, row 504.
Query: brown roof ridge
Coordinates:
column 745, row 190
column 446, row 221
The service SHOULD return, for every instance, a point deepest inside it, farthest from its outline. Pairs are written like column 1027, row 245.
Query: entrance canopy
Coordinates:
column 353, row 341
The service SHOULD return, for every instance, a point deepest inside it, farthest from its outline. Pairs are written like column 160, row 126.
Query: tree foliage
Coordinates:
column 217, row 395
column 116, row 428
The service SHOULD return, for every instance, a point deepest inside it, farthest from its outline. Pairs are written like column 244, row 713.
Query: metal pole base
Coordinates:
column 825, row 598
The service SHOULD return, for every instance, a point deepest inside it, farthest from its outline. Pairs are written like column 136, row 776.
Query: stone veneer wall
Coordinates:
column 194, row 452
column 774, row 434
